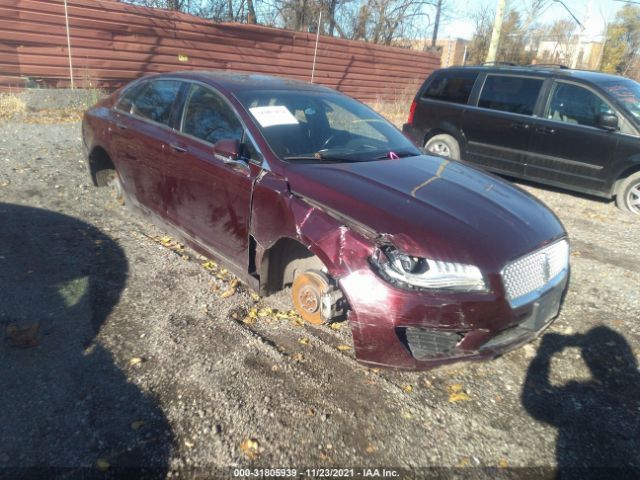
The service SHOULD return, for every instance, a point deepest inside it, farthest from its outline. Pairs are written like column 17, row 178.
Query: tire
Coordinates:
column 111, row 179
column 628, row 194
column 443, row 145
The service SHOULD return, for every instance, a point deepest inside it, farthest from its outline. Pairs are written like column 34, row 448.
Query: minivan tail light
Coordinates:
column 412, row 111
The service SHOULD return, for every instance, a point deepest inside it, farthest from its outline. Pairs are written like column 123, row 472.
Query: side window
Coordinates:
column 510, row 94
column 210, row 118
column 454, row 87
column 574, row 104
column 155, row 101
column 125, row 102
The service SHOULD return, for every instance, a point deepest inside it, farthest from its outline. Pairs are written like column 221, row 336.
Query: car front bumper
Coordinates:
column 418, row 330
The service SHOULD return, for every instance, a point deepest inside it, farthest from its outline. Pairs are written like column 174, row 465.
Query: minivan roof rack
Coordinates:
column 549, row 65
column 509, row 64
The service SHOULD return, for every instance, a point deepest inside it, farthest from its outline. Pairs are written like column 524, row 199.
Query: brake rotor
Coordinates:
column 306, row 292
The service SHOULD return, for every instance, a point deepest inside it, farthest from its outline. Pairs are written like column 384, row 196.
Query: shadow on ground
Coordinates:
column 64, row 404
column 598, row 420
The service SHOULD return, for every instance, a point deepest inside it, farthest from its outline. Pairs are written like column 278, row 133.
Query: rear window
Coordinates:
column 454, row 87
column 156, row 100
column 510, row 94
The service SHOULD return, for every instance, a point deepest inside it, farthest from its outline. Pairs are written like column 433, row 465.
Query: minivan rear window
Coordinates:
column 452, row 87
column 510, row 93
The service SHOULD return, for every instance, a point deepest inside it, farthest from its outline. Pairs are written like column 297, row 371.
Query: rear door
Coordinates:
column 140, row 138
column 568, row 148
column 498, row 128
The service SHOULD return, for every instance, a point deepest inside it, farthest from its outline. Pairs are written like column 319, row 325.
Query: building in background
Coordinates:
column 561, row 53
column 452, row 51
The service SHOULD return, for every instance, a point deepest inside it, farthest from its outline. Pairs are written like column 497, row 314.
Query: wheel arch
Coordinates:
column 623, row 175
column 280, row 261
column 446, row 129
column 99, row 160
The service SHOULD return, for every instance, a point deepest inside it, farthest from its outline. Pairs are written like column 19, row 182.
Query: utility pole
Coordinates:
column 436, row 25
column 497, row 29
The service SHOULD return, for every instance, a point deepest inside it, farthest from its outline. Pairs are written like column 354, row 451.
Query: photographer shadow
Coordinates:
column 598, row 420
column 65, row 406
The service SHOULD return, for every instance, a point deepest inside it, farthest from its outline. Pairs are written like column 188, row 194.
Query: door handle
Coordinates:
column 520, row 126
column 178, row 148
column 121, row 126
column 547, row 130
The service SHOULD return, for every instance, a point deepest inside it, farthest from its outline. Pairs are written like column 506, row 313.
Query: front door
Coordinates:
column 568, row 148
column 208, row 198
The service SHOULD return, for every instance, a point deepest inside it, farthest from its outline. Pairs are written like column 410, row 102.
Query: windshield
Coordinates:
column 312, row 126
column 627, row 92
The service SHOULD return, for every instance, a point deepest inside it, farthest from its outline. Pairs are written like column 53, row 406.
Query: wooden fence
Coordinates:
column 113, row 43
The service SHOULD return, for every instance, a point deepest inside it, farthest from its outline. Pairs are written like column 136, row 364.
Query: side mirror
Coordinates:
column 607, row 121
column 227, row 150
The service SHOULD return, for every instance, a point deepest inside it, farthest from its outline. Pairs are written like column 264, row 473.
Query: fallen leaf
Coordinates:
column 264, row 312
column 26, row 337
column 407, row 415
column 371, row 448
column 335, row 326
column 503, row 463
column 304, row 341
column 250, row 448
column 165, row 240
column 457, row 394
column 255, row 297
column 102, row 464
column 228, row 293
column 408, row 388
column 137, row 424
column 135, row 361
column 464, row 462
column 343, row 348
column 188, row 444
column 297, row 357
column 209, row 265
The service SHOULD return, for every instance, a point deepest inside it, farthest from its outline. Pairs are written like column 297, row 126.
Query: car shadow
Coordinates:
column 598, row 420
column 65, row 406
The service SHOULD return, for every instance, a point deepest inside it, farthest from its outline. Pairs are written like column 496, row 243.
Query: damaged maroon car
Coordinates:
column 293, row 184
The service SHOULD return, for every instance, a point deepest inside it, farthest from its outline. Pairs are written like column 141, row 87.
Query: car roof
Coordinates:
column 239, row 81
column 543, row 70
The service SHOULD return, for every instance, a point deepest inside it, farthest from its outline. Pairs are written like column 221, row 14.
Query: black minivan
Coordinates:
column 573, row 129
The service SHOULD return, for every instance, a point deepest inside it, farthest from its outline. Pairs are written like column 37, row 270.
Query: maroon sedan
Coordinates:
column 293, row 184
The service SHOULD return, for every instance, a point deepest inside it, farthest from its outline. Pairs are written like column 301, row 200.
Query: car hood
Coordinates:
column 432, row 207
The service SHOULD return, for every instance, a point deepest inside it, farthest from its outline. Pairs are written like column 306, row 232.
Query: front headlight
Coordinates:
column 415, row 272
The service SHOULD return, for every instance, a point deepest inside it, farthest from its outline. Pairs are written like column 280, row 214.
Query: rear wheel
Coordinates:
column 628, row 194
column 443, row 145
column 112, row 180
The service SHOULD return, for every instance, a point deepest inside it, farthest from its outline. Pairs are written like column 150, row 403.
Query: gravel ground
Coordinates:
column 120, row 349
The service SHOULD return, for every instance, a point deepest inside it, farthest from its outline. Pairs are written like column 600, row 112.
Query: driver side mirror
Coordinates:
column 607, row 121
column 227, row 150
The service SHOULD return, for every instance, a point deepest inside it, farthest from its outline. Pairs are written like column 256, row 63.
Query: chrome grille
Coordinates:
column 535, row 270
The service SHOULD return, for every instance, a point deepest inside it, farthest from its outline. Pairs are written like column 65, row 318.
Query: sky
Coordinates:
column 593, row 14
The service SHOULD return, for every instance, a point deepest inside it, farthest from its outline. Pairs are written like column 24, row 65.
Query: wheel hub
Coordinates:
column 306, row 292
column 440, row 149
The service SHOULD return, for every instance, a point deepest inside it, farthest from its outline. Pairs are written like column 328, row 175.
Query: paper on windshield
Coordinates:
column 273, row 115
